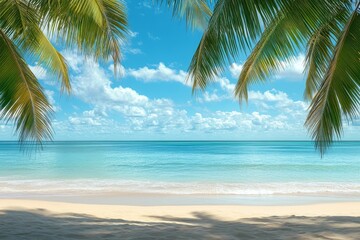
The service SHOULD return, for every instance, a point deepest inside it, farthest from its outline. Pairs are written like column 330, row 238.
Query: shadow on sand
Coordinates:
column 41, row 224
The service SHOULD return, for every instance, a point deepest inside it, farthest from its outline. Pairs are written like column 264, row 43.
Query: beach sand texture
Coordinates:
column 28, row 219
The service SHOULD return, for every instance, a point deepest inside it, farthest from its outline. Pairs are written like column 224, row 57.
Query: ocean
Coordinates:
column 222, row 170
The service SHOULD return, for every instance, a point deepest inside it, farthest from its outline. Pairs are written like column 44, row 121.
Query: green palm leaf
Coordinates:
column 320, row 48
column 96, row 28
column 282, row 39
column 279, row 42
column 196, row 12
column 234, row 26
column 21, row 22
column 52, row 59
column 22, row 99
column 339, row 92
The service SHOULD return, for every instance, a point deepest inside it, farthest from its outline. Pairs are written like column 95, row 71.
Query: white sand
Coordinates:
column 28, row 219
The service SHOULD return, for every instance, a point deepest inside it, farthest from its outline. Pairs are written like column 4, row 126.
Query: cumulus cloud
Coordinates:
column 123, row 109
column 290, row 70
column 120, row 70
column 167, row 74
column 93, row 86
column 73, row 59
column 235, row 69
column 42, row 74
column 211, row 97
column 159, row 73
column 279, row 101
column 236, row 121
column 225, row 84
column 268, row 96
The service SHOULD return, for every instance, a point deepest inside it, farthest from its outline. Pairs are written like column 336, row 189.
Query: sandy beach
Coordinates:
column 32, row 219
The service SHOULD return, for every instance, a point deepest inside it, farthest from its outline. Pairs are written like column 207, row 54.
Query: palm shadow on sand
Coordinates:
column 40, row 224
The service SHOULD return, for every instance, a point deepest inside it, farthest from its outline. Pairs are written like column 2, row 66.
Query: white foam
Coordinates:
column 80, row 186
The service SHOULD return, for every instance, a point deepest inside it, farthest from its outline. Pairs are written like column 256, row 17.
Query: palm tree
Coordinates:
column 276, row 31
column 96, row 28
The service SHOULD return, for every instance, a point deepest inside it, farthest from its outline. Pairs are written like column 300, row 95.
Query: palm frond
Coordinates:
column 196, row 12
column 51, row 58
column 236, row 25
column 339, row 92
column 320, row 48
column 233, row 27
column 279, row 42
column 22, row 98
column 96, row 28
column 21, row 22
column 282, row 39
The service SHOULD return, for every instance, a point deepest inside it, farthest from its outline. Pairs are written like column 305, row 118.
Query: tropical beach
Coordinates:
column 82, row 190
column 179, row 119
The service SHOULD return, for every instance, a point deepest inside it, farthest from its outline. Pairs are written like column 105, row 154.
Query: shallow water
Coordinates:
column 205, row 168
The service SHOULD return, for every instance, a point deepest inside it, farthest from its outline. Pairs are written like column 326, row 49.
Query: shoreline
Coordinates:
column 34, row 219
column 224, row 211
column 162, row 199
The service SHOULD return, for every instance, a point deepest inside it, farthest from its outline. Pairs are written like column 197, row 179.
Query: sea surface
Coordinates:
column 222, row 170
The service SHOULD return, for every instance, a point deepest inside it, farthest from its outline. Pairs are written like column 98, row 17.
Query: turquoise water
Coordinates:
column 228, row 168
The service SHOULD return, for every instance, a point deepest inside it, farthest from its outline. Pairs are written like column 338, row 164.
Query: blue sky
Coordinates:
column 151, row 100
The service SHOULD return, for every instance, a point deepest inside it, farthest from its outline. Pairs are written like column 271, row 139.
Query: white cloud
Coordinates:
column 268, row 96
column 50, row 96
column 84, row 121
column 211, row 97
column 39, row 72
column 225, row 84
column 235, row 69
column 279, row 101
column 297, row 65
column 118, row 109
column 93, row 86
column 292, row 70
column 160, row 73
column 235, row 121
column 127, row 46
column 168, row 74
column 120, row 70
column 73, row 59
